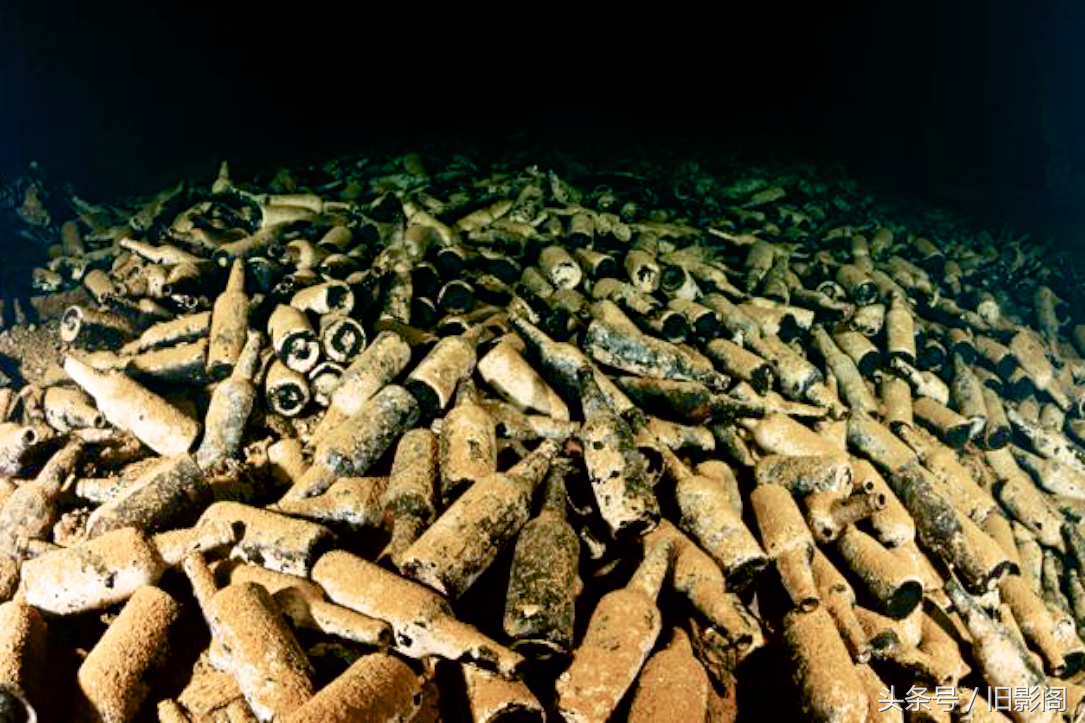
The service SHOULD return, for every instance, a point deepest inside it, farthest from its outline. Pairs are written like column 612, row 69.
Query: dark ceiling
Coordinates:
column 969, row 103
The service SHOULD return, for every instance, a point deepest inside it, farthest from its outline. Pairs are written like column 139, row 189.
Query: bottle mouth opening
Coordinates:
column 998, row 438
column 302, row 353
column 456, row 297
column 344, row 340
column 71, row 323
column 740, row 576
column 429, row 404
column 672, row 278
column 452, row 326
column 884, row 640
column 540, row 649
column 870, row 362
column 675, row 328
column 636, row 528
column 957, row 435
column 606, row 267
column 865, row 293
column 761, row 379
column 423, row 312
column 1072, row 663
column 742, row 641
column 708, row 326
column 1006, row 567
column 336, row 298
column 288, row 399
column 904, row 600
column 14, row 705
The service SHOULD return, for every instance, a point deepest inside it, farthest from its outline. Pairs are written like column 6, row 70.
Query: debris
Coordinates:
column 403, row 425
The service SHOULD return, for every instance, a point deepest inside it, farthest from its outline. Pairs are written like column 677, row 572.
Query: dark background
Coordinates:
column 971, row 104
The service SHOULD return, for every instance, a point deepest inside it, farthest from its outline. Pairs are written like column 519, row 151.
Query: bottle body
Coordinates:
column 131, row 407
column 229, row 324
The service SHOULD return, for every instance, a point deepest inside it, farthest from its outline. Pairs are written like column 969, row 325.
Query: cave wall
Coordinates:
column 976, row 105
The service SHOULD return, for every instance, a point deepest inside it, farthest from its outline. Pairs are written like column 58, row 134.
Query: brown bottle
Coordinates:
column 342, row 337
column 672, row 680
column 24, row 648
column 900, row 330
column 613, row 339
column 1029, row 353
column 561, row 363
column 465, row 540
column 379, row 364
column 838, row 599
column 293, row 338
column 450, row 361
column 468, row 444
column 172, row 491
column 351, row 502
column 620, row 635
column 30, row 511
column 109, row 568
column 510, row 375
column 708, row 516
column 131, row 407
column 91, row 328
column 409, row 498
column 286, row 391
column 856, row 392
column 889, row 579
column 229, row 324
column 966, row 392
column 541, row 599
column 560, row 267
column 229, row 408
column 787, row 541
column 68, row 408
column 697, row 577
column 111, row 676
column 421, row 619
column 999, row 653
column 261, row 651
column 378, row 686
column 617, row 469
column 350, row 448
column 829, row 686
column 799, row 378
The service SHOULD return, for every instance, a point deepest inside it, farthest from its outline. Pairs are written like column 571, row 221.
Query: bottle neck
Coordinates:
column 236, row 282
column 467, row 394
column 677, row 470
column 530, row 470
column 554, row 493
column 960, row 368
column 825, row 344
column 249, row 360
column 473, row 334
column 592, row 398
column 649, row 576
column 680, row 643
column 532, row 335
column 977, row 622
column 1031, row 462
